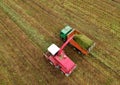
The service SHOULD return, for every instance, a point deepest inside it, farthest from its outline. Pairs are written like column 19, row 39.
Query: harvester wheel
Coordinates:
column 51, row 63
column 67, row 74
column 57, row 66
column 62, row 72
column 45, row 55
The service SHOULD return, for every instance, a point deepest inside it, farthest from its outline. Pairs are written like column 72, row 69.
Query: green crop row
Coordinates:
column 32, row 33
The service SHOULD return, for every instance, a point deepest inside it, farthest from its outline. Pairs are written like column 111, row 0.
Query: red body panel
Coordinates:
column 52, row 59
column 65, row 63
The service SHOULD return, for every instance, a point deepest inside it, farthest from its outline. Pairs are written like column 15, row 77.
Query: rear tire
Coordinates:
column 62, row 72
column 79, row 52
column 58, row 67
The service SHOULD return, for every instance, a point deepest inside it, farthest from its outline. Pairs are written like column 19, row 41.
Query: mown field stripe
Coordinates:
column 33, row 22
column 48, row 73
column 85, row 16
column 111, row 22
column 27, row 52
column 25, row 55
column 32, row 33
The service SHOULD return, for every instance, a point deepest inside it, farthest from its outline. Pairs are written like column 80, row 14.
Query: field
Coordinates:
column 28, row 27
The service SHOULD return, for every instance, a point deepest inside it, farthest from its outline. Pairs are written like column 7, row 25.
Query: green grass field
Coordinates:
column 28, row 27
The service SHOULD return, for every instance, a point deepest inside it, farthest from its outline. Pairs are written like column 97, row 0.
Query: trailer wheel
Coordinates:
column 74, row 48
column 79, row 52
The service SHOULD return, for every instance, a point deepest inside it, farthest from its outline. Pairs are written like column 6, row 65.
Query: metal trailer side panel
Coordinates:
column 74, row 43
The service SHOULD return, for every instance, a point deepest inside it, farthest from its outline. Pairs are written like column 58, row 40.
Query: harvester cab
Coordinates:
column 53, row 49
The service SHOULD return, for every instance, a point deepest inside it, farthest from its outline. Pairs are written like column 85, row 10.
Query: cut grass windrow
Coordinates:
column 32, row 33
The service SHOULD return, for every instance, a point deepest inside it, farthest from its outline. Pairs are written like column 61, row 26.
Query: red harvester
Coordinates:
column 59, row 59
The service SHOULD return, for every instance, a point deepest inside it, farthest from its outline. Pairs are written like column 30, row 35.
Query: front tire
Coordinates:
column 67, row 74
column 51, row 63
column 58, row 67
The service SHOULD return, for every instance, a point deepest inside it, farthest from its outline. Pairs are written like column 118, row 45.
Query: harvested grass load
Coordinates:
column 83, row 41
